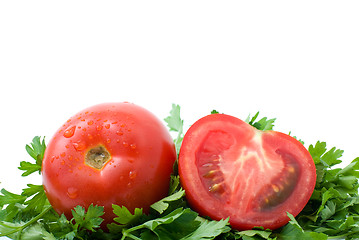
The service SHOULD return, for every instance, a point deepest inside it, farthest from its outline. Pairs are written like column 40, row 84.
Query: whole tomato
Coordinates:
column 112, row 153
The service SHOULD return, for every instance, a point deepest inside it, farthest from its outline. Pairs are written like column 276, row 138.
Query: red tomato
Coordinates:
column 230, row 169
column 114, row 153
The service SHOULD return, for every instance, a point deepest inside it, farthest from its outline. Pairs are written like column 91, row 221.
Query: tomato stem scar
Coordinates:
column 97, row 157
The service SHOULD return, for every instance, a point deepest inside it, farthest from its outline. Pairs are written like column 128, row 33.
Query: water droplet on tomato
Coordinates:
column 69, row 132
column 125, row 144
column 99, row 127
column 119, row 133
column 52, row 159
column 90, row 122
column 108, row 140
column 63, row 154
column 107, row 126
column 132, row 175
column 133, row 146
column 72, row 192
column 79, row 146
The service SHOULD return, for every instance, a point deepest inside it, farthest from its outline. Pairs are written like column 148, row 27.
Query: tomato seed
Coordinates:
column 275, row 188
column 210, row 174
column 208, row 165
column 217, row 188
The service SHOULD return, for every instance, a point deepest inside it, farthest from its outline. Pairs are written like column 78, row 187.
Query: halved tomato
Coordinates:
column 230, row 169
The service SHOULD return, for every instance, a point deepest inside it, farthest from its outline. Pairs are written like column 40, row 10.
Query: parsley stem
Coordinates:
column 125, row 234
column 22, row 227
column 342, row 235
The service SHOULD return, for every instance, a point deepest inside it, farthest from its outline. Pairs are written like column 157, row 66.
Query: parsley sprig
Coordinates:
column 332, row 212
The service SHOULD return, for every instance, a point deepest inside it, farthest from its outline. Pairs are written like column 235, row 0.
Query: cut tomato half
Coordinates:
column 230, row 169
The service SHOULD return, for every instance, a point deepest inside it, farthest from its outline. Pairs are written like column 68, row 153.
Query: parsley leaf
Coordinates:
column 124, row 218
column 263, row 124
column 175, row 124
column 179, row 224
column 89, row 220
column 334, row 205
column 163, row 204
column 36, row 151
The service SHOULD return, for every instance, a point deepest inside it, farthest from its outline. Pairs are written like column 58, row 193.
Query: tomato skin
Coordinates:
column 230, row 169
column 137, row 173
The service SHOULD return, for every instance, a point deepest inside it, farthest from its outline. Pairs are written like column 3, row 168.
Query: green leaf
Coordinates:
column 175, row 123
column 250, row 120
column 37, row 232
column 328, row 194
column 328, row 211
column 38, row 200
column 181, row 224
column 263, row 124
column 163, row 204
column 317, row 151
column 351, row 170
column 124, row 218
column 36, row 150
column 174, row 184
column 11, row 229
column 265, row 234
column 209, row 230
column 293, row 231
column 153, row 224
column 29, row 168
column 89, row 220
column 10, row 198
column 331, row 157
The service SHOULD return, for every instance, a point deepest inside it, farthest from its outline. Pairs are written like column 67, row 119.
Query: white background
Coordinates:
column 294, row 61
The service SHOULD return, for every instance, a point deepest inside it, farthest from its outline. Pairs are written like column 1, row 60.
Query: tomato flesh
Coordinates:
column 230, row 169
column 112, row 153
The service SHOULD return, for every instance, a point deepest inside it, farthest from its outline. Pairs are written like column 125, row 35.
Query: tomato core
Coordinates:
column 97, row 157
